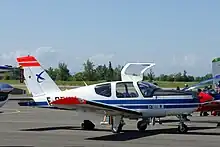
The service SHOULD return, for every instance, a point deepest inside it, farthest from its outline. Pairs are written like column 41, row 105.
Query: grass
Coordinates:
column 164, row 84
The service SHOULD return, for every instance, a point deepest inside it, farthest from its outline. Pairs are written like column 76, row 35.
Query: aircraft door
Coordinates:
column 126, row 90
column 126, row 94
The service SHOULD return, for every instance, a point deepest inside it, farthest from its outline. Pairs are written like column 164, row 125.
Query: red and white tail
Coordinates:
column 36, row 78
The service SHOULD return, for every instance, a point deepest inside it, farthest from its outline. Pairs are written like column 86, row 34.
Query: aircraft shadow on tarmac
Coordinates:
column 126, row 135
column 192, row 121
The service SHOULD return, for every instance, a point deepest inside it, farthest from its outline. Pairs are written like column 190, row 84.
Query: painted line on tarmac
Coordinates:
column 5, row 111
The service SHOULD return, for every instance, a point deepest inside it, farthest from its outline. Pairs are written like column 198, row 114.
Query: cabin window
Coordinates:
column 126, row 90
column 103, row 90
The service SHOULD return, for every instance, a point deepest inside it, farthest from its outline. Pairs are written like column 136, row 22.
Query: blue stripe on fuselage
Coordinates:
column 146, row 106
column 42, row 103
column 139, row 101
column 32, row 103
column 163, row 107
column 145, row 103
column 148, row 101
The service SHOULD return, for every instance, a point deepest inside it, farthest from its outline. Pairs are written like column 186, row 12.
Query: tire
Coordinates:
column 182, row 128
column 87, row 125
column 83, row 126
column 141, row 125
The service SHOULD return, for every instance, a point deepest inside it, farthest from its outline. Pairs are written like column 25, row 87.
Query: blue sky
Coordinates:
column 176, row 35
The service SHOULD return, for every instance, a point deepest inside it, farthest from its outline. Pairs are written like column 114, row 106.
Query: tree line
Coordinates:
column 105, row 73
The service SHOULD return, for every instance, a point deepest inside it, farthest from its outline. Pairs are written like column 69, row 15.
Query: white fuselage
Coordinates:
column 156, row 106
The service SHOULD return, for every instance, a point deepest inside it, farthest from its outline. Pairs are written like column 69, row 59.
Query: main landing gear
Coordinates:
column 142, row 125
column 87, row 125
column 182, row 128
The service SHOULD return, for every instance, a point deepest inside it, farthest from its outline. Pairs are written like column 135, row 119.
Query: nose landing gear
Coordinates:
column 182, row 128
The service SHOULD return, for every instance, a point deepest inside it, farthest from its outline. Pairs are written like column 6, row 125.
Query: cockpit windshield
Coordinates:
column 147, row 88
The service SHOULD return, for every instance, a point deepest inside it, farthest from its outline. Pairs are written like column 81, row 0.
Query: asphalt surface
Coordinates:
column 24, row 126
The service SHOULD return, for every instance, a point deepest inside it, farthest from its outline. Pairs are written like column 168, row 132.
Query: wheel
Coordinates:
column 82, row 125
column 182, row 128
column 159, row 121
column 87, row 125
column 141, row 125
column 117, row 129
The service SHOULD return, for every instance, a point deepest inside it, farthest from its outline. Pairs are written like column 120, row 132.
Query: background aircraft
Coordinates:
column 5, row 89
column 214, row 81
column 130, row 98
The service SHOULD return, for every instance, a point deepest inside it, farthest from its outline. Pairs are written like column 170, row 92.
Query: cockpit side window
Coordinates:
column 104, row 90
column 126, row 90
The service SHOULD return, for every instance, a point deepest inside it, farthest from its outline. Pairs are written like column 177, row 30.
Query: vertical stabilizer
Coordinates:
column 36, row 78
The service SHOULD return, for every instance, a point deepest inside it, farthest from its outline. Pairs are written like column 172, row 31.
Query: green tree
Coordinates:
column 15, row 74
column 163, row 77
column 117, row 73
column 178, row 77
column 79, row 76
column 89, row 71
column 171, row 78
column 151, row 75
column 101, row 72
column 63, row 73
column 6, row 76
column 110, row 73
column 185, row 77
column 52, row 73
column 191, row 78
column 207, row 76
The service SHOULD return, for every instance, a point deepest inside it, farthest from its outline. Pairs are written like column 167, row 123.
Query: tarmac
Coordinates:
column 26, row 126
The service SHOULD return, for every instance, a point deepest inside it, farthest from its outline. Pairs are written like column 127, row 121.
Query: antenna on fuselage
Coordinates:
column 85, row 83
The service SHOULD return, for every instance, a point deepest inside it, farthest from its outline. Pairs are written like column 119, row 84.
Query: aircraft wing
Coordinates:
column 211, row 106
column 92, row 106
column 201, row 84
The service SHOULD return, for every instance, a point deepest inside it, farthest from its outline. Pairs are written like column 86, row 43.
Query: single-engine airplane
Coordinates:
column 130, row 98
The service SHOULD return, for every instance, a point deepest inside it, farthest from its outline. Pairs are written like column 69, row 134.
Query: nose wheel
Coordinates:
column 182, row 128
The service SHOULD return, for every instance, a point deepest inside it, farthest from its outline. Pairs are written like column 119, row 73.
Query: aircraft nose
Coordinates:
column 5, row 88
